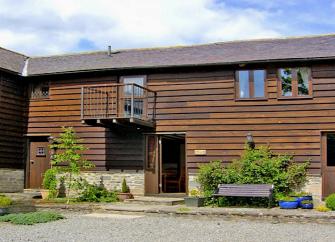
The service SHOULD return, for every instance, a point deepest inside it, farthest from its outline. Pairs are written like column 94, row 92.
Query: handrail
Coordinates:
column 109, row 101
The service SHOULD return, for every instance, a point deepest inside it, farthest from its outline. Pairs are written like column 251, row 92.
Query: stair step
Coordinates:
column 167, row 201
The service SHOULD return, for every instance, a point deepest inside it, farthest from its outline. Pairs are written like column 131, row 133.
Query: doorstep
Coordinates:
column 274, row 215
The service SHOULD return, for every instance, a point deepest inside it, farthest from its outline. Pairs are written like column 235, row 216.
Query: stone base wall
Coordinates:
column 112, row 179
column 11, row 180
column 314, row 186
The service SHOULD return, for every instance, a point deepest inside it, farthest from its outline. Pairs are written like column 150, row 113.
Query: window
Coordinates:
column 250, row 84
column 40, row 151
column 295, row 82
column 39, row 90
column 139, row 93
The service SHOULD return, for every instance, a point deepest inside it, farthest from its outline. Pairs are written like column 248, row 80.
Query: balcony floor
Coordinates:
column 125, row 122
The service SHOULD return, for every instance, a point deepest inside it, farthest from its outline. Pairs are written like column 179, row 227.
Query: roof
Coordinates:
column 223, row 53
column 12, row 61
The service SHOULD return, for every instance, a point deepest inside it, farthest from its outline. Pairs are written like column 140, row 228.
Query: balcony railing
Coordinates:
column 117, row 102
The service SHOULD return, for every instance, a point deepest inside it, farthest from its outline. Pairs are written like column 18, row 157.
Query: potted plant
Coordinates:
column 125, row 191
column 195, row 198
column 307, row 204
column 5, row 202
column 302, row 196
column 287, row 202
column 49, row 184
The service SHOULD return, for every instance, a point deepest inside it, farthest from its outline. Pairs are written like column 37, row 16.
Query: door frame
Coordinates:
column 32, row 138
column 323, row 146
column 158, row 161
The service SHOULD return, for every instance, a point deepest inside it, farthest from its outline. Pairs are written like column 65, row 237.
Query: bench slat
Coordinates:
column 245, row 190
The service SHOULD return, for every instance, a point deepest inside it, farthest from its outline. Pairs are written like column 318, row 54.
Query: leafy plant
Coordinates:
column 330, row 201
column 306, row 202
column 256, row 166
column 195, row 193
column 94, row 193
column 125, row 187
column 31, row 218
column 50, row 182
column 5, row 201
column 287, row 199
column 68, row 157
column 300, row 194
column 322, row 208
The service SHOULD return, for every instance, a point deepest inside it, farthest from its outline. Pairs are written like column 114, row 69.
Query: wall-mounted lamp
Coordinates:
column 250, row 141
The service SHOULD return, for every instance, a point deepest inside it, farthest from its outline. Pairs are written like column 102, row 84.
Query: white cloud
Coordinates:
column 46, row 27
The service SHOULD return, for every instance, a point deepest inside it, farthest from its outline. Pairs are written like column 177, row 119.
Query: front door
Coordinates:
column 152, row 166
column 38, row 163
column 328, row 164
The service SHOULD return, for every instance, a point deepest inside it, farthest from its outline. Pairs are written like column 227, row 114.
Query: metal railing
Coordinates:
column 117, row 101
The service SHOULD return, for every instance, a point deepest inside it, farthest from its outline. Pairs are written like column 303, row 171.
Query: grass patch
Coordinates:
column 31, row 218
column 183, row 210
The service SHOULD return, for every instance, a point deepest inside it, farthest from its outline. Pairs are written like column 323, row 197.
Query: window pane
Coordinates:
column 243, row 77
column 330, row 149
column 303, row 78
column 133, row 80
column 286, row 81
column 259, row 79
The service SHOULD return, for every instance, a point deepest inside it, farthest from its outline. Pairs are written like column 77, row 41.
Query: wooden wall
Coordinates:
column 13, row 120
column 203, row 105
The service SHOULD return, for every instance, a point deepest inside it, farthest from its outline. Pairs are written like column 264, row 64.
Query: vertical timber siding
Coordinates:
column 13, row 121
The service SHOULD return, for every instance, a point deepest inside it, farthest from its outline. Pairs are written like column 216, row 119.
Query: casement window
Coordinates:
column 250, row 84
column 295, row 82
column 39, row 90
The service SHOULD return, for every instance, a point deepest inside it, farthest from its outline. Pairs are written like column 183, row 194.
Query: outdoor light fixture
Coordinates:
column 250, row 141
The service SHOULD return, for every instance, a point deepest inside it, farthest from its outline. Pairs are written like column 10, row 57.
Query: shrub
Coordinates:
column 124, row 188
column 330, row 201
column 195, row 193
column 5, row 201
column 50, row 182
column 322, row 208
column 69, row 157
column 256, row 166
column 31, row 218
column 94, row 193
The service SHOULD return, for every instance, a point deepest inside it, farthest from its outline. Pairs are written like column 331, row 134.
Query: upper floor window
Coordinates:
column 39, row 90
column 250, row 83
column 295, row 82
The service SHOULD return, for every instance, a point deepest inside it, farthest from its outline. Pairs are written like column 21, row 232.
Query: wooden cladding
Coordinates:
column 202, row 105
column 13, row 121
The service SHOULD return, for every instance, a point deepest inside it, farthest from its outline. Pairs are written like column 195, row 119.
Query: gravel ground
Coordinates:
column 121, row 227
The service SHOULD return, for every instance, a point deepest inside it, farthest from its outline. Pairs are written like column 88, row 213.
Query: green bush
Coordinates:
column 256, row 166
column 5, row 201
column 94, row 193
column 124, row 188
column 31, row 218
column 50, row 182
column 330, row 201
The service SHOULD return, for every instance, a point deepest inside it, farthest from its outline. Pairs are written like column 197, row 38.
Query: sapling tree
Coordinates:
column 68, row 157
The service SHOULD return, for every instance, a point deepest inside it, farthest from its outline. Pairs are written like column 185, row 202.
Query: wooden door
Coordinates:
column 328, row 164
column 152, row 167
column 38, row 163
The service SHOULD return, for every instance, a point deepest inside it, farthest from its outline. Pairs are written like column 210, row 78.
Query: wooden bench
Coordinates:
column 245, row 190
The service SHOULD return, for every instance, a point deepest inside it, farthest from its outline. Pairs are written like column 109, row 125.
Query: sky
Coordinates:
column 45, row 27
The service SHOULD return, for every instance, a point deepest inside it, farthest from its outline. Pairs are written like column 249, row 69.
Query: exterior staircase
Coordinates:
column 156, row 200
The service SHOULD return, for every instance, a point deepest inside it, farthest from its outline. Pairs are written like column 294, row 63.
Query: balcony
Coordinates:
column 118, row 104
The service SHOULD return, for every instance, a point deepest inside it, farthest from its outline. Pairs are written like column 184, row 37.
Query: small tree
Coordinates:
column 68, row 157
column 124, row 187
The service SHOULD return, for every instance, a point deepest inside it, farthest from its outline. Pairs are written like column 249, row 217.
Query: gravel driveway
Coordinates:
column 116, row 227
